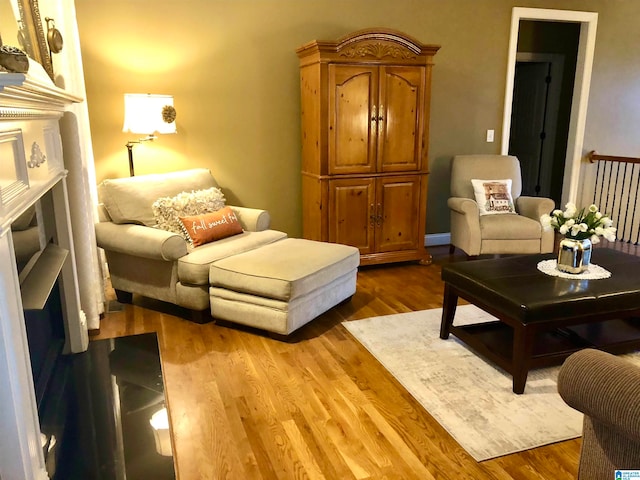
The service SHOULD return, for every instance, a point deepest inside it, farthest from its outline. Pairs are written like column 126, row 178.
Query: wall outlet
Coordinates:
column 490, row 135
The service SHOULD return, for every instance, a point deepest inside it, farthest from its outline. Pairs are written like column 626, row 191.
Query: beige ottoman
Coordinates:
column 282, row 286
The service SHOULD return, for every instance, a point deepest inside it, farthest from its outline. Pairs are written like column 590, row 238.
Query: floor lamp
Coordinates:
column 147, row 114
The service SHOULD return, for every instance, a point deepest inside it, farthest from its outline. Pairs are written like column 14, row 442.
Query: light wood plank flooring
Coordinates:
column 246, row 406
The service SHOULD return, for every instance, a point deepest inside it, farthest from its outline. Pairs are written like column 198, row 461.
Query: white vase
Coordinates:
column 574, row 255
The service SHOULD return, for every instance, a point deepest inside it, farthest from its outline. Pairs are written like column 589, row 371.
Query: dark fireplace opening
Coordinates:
column 45, row 336
column 95, row 408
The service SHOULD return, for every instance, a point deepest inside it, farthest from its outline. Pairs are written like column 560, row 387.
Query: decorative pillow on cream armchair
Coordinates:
column 493, row 196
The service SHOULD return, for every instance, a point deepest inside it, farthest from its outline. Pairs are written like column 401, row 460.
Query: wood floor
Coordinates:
column 245, row 406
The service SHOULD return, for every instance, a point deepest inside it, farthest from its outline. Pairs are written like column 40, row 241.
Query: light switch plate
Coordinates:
column 490, row 135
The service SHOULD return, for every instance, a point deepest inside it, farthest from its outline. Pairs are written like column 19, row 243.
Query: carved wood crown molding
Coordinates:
column 379, row 45
column 377, row 50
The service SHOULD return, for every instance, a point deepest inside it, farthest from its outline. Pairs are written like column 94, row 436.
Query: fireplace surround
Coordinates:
column 33, row 176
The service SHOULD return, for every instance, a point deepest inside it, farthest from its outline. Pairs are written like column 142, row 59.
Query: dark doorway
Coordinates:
column 541, row 108
column 530, row 128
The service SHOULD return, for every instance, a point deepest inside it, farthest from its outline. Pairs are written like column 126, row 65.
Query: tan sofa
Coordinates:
column 519, row 233
column 606, row 389
column 258, row 278
column 159, row 264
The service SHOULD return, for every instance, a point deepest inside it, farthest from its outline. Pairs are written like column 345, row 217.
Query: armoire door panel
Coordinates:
column 400, row 126
column 352, row 121
column 352, row 213
column 399, row 198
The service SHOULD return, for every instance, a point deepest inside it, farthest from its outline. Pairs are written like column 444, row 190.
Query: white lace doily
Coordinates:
column 594, row 272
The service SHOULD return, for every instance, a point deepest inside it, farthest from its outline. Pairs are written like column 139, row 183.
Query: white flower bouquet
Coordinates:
column 580, row 224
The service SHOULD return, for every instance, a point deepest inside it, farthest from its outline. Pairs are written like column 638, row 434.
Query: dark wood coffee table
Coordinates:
column 543, row 319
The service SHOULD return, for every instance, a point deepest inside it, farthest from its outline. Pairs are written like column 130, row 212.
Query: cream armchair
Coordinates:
column 513, row 233
column 159, row 264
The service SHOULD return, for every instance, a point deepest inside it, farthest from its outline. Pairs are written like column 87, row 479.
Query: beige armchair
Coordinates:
column 159, row 264
column 606, row 389
column 512, row 233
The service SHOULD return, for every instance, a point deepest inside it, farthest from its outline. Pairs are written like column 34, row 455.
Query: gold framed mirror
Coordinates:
column 26, row 31
column 33, row 32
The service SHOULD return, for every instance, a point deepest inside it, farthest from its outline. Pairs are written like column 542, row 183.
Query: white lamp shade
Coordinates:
column 143, row 114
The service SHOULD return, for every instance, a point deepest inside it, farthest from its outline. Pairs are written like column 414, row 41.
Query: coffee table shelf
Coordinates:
column 615, row 336
column 494, row 340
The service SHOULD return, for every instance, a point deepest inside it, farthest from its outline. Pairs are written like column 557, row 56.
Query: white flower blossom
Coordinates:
column 610, row 234
column 578, row 228
column 545, row 220
column 570, row 210
column 580, row 224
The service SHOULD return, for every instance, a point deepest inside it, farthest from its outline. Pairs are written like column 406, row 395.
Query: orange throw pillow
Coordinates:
column 201, row 229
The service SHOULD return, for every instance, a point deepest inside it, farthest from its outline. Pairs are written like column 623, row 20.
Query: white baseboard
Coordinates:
column 433, row 239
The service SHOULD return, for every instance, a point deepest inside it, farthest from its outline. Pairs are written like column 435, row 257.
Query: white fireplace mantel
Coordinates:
column 31, row 167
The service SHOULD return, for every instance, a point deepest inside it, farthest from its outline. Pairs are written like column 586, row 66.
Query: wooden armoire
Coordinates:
column 365, row 139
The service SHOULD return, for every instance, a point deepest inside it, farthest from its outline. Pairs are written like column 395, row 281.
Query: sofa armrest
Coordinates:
column 603, row 387
column 103, row 214
column 252, row 219
column 465, row 224
column 534, row 207
column 140, row 241
column 463, row 206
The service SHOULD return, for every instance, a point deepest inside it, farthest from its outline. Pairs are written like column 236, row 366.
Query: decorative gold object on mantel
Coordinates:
column 54, row 37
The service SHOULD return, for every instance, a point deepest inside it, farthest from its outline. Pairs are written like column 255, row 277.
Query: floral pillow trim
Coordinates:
column 168, row 210
column 493, row 196
column 201, row 229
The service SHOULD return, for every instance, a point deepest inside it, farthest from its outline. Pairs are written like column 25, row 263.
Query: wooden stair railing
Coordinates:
column 617, row 191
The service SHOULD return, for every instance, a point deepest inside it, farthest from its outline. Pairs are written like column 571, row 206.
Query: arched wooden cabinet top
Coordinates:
column 373, row 44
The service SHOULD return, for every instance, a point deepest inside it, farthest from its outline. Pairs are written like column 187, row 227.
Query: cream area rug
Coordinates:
column 469, row 396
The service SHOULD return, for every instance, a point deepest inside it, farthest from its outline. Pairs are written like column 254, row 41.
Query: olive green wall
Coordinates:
column 232, row 69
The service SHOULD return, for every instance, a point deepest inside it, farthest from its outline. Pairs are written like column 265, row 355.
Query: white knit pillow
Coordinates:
column 167, row 210
column 493, row 196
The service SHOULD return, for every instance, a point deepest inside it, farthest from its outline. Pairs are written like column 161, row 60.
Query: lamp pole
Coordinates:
column 130, row 151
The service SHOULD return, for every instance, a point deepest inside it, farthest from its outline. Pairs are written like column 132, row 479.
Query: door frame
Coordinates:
column 586, row 48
